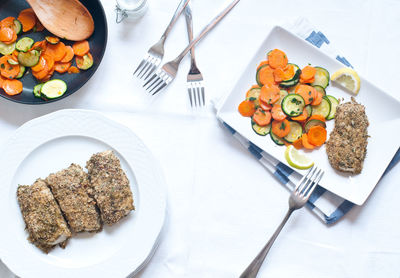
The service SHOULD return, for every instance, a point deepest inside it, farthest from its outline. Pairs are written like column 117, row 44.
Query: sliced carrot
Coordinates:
column 39, row 66
column 302, row 117
column 308, row 73
column 262, row 64
column 62, row 67
column 28, row 19
column 49, row 61
column 317, row 117
column 57, row 51
column 298, row 143
column 15, row 54
column 277, row 113
column 12, row 87
column 39, row 46
column 317, row 135
column 6, row 34
column 318, row 98
column 52, row 40
column 306, row 92
column 7, row 22
column 264, row 106
column 7, row 70
column 261, row 117
column 277, row 59
column 246, row 108
column 288, row 72
column 281, row 128
column 279, row 75
column 266, row 75
column 74, row 69
column 305, row 143
column 81, row 48
column 2, row 79
column 69, row 55
column 306, row 81
column 269, row 94
column 39, row 75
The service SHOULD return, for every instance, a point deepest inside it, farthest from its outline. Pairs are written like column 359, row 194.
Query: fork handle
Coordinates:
column 177, row 13
column 206, row 29
column 189, row 25
column 252, row 270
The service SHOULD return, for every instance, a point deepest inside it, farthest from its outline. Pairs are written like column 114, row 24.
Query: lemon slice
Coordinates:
column 296, row 159
column 348, row 78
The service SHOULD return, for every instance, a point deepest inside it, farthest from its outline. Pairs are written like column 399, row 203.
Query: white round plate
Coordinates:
column 51, row 143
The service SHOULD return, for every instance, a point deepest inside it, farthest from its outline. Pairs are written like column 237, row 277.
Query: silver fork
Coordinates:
column 154, row 55
column 298, row 198
column 194, row 78
column 163, row 76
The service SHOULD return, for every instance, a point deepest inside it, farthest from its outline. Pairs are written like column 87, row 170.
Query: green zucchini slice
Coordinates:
column 296, row 131
column 313, row 122
column 29, row 59
column 21, row 73
column 309, row 110
column 24, row 44
column 322, row 77
column 261, row 130
column 12, row 62
column 254, row 95
column 277, row 140
column 53, row 89
column 37, row 89
column 86, row 63
column 17, row 26
column 319, row 89
column 334, row 104
column 293, row 105
column 283, row 94
column 7, row 49
column 323, row 109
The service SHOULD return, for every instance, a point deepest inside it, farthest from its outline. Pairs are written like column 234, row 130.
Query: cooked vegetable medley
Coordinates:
column 289, row 103
column 42, row 57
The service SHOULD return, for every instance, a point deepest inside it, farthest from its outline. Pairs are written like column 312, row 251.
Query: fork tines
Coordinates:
column 147, row 65
column 196, row 93
column 160, row 79
column 309, row 182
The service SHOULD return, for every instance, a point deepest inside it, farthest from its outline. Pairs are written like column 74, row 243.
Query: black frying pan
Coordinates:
column 97, row 41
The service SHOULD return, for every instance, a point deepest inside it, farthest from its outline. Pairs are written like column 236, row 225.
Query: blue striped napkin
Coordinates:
column 326, row 205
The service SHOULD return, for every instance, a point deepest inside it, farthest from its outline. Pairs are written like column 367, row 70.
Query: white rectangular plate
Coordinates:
column 383, row 112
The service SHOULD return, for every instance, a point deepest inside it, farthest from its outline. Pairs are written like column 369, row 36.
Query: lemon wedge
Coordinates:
column 348, row 78
column 296, row 159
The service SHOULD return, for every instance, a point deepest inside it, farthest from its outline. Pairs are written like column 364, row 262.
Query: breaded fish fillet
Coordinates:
column 347, row 144
column 110, row 187
column 43, row 218
column 70, row 189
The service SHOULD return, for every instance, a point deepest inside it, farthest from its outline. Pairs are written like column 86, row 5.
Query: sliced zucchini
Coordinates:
column 296, row 75
column 12, row 62
column 7, row 49
column 319, row 89
column 21, row 73
column 334, row 104
column 258, row 75
column 52, row 40
column 254, row 95
column 17, row 26
column 323, row 109
column 37, row 89
column 321, row 77
column 85, row 62
column 29, row 59
column 293, row 105
column 309, row 110
column 313, row 122
column 261, row 130
column 282, row 94
column 53, row 89
column 290, row 83
column 277, row 140
column 24, row 44
column 296, row 131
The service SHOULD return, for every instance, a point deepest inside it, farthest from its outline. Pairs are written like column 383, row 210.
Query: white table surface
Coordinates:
column 223, row 205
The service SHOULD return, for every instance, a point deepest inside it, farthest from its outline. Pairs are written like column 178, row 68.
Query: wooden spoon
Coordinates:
column 67, row 19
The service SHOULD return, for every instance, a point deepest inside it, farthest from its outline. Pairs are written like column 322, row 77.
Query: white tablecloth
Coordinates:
column 223, row 205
